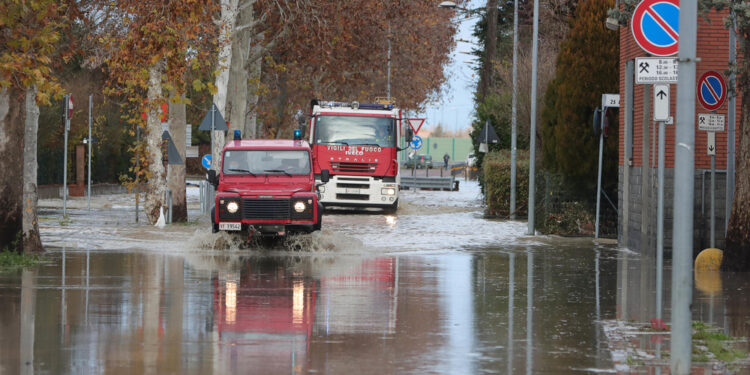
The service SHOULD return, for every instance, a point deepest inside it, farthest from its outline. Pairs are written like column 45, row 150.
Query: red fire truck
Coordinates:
column 358, row 144
column 266, row 186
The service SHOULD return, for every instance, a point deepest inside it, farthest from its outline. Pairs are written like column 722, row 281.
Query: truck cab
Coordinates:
column 266, row 186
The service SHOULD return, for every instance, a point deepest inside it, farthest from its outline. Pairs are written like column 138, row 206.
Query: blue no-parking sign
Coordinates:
column 206, row 161
column 712, row 90
column 416, row 142
column 656, row 26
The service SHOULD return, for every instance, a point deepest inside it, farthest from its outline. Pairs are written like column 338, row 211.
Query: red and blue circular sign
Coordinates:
column 712, row 90
column 656, row 26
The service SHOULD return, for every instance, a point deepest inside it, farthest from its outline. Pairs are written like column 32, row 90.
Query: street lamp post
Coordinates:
column 532, row 133
column 514, row 125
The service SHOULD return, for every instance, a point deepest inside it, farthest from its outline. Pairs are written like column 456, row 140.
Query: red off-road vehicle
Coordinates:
column 266, row 186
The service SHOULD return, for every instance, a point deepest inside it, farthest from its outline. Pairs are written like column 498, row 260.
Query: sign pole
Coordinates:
column 712, row 152
column 599, row 177
column 684, row 181
column 514, row 125
column 91, row 105
column 212, row 135
column 660, row 221
column 532, row 132
column 66, row 100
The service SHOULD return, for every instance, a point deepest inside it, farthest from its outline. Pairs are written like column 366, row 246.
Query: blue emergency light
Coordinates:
column 237, row 135
column 297, row 135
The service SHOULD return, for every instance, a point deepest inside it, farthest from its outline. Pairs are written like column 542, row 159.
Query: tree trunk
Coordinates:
column 237, row 85
column 254, row 74
column 32, row 243
column 156, row 180
column 737, row 253
column 11, row 186
column 176, row 183
column 228, row 21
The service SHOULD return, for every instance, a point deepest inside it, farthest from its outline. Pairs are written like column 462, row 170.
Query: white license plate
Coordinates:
column 230, row 226
column 352, row 191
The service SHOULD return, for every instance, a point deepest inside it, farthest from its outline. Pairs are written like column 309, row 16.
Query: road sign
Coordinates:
column 218, row 120
column 710, row 122
column 650, row 70
column 711, row 143
column 416, row 142
column 416, row 124
column 655, row 26
column 712, row 90
column 611, row 100
column 661, row 102
column 206, row 161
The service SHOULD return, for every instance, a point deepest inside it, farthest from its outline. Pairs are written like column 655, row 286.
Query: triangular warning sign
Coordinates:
column 173, row 156
column 416, row 124
column 218, row 120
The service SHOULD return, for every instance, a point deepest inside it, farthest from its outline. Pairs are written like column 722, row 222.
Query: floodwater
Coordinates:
column 435, row 289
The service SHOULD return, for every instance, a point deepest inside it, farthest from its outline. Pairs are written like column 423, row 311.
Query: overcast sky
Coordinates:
column 456, row 107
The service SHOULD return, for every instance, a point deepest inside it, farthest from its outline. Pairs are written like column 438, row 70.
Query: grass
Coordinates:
column 715, row 343
column 10, row 260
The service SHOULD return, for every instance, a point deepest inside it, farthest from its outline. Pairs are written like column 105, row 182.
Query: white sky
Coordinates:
column 456, row 106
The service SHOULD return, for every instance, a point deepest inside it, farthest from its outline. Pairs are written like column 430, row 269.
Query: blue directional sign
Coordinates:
column 655, row 26
column 206, row 161
column 416, row 142
column 712, row 90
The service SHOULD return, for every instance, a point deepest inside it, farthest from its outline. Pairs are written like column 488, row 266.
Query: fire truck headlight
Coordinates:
column 299, row 207
column 232, row 207
column 322, row 189
column 388, row 191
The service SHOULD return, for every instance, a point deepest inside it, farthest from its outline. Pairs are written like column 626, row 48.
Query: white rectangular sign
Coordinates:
column 650, row 70
column 661, row 102
column 610, row 100
column 710, row 122
column 711, row 143
column 189, row 135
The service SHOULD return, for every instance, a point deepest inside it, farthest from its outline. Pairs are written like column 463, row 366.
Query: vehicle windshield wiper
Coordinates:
column 241, row 171
column 278, row 171
column 368, row 144
column 334, row 142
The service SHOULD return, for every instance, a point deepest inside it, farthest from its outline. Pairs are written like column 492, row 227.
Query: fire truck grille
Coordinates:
column 255, row 208
column 353, row 197
column 353, row 167
column 353, row 186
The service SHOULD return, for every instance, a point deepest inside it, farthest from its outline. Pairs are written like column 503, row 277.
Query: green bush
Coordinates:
column 496, row 180
column 572, row 219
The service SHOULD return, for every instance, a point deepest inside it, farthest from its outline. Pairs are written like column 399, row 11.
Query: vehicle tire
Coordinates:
column 392, row 209
column 214, row 226
column 317, row 226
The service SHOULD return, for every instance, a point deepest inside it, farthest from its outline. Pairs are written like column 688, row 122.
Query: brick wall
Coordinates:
column 713, row 51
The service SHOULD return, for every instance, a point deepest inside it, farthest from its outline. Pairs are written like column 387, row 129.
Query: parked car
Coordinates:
column 422, row 161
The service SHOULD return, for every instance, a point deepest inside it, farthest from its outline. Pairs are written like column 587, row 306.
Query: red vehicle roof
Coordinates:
column 285, row 144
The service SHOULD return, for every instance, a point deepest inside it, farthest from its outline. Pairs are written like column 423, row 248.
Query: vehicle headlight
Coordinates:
column 322, row 189
column 300, row 207
column 388, row 191
column 232, row 207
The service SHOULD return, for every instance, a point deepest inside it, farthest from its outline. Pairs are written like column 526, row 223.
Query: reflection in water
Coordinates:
column 529, row 309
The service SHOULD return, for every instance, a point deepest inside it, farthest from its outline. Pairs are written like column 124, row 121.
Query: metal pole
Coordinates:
column 65, row 156
column 213, row 115
column 629, row 90
column 389, row 62
column 660, row 220
column 137, row 163
column 713, row 201
column 732, row 120
column 514, row 126
column 682, row 239
column 532, row 131
column 91, row 105
column 599, row 174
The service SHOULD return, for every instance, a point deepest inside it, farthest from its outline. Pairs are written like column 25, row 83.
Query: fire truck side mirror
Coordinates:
column 325, row 176
column 212, row 178
column 409, row 135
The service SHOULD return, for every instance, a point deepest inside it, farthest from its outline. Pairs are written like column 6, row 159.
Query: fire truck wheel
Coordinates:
column 392, row 208
column 319, row 224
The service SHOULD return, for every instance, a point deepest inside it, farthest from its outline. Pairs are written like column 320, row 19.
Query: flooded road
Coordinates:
column 435, row 289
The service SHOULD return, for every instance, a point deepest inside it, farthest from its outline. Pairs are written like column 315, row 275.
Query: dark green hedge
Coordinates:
column 496, row 178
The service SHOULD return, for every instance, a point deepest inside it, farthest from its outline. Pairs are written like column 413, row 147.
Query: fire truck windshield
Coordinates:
column 355, row 130
column 254, row 162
